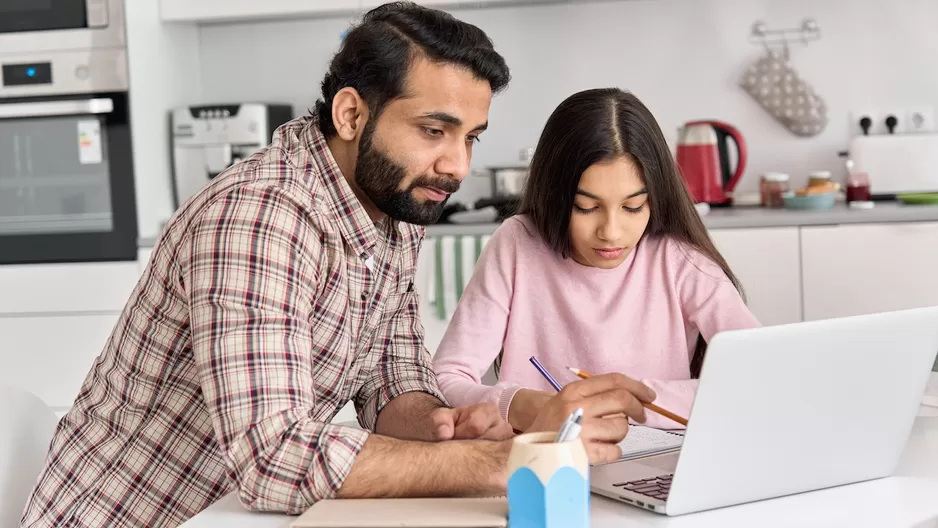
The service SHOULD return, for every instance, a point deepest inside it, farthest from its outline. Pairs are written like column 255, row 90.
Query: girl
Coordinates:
column 607, row 267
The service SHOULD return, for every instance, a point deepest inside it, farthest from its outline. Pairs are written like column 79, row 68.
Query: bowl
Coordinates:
column 810, row 202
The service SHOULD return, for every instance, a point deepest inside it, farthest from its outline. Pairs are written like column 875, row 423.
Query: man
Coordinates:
column 283, row 290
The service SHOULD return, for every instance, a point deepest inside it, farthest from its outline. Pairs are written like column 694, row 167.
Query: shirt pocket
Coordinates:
column 406, row 271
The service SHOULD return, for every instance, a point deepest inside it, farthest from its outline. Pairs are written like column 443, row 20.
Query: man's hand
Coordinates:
column 480, row 421
column 608, row 401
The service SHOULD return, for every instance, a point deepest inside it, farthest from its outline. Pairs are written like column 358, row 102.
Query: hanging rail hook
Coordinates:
column 761, row 35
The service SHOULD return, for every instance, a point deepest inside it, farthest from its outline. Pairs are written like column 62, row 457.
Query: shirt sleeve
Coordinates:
column 404, row 365
column 250, row 275
column 711, row 304
column 476, row 332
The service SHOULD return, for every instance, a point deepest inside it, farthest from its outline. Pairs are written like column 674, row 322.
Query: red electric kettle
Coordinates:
column 703, row 159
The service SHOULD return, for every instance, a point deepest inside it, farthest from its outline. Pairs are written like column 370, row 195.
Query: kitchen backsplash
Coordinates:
column 682, row 57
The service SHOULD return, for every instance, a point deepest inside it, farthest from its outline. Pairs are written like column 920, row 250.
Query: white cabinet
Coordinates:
column 862, row 269
column 51, row 355
column 455, row 4
column 143, row 258
column 766, row 262
column 251, row 10
column 54, row 288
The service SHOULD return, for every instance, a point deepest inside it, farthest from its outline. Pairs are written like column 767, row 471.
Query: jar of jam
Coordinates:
column 773, row 187
column 858, row 187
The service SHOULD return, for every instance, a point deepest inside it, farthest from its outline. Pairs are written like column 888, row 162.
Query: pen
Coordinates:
column 543, row 371
column 650, row 406
column 573, row 431
column 570, row 428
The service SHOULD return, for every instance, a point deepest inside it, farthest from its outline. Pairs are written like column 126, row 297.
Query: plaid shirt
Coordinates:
column 270, row 300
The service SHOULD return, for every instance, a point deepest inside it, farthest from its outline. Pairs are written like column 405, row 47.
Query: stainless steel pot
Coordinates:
column 509, row 181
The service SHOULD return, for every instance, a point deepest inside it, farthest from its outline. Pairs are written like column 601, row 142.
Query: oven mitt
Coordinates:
column 778, row 88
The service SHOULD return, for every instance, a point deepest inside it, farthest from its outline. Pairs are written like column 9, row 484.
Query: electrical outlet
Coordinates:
column 919, row 119
column 876, row 123
column 892, row 120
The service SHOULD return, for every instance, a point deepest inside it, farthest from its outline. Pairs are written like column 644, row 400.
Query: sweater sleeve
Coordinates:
column 476, row 332
column 711, row 304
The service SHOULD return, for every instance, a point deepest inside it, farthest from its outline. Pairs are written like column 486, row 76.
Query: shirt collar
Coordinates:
column 357, row 228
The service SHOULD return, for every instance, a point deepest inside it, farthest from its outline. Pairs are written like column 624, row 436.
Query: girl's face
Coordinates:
column 610, row 213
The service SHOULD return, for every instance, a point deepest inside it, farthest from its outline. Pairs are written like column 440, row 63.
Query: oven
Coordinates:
column 66, row 165
column 29, row 26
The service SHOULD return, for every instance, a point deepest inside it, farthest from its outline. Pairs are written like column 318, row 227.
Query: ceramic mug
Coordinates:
column 548, row 483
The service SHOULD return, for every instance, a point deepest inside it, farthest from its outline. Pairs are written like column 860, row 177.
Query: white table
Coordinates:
column 909, row 499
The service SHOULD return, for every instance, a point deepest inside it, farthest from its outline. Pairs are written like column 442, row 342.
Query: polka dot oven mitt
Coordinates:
column 778, row 88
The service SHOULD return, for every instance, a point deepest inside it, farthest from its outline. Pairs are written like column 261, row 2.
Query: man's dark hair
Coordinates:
column 376, row 55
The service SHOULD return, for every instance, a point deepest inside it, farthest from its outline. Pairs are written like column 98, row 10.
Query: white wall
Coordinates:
column 164, row 73
column 682, row 57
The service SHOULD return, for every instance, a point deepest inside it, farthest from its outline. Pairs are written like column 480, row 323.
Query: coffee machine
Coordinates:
column 208, row 139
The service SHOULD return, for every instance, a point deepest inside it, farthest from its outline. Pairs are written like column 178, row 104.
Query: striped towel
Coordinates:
column 453, row 259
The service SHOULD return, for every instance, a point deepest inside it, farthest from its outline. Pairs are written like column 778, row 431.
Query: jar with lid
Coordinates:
column 819, row 178
column 773, row 187
column 858, row 189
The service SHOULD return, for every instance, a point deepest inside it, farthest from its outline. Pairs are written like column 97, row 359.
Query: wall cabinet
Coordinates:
column 221, row 11
column 862, row 269
column 252, row 10
column 459, row 4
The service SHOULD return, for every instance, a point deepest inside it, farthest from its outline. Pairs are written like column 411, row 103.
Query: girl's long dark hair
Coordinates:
column 599, row 125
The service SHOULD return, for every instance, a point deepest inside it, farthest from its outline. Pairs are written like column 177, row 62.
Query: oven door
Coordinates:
column 66, row 180
column 32, row 26
column 46, row 15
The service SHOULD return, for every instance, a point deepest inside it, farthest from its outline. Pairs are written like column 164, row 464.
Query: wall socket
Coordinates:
column 904, row 120
column 876, row 125
column 919, row 119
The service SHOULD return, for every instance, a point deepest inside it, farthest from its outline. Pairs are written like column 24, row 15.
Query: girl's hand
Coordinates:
column 525, row 406
column 600, row 397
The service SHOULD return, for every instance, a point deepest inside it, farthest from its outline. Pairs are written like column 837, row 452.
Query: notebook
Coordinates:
column 406, row 513
column 644, row 441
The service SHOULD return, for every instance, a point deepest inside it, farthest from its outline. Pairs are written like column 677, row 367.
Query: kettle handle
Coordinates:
column 728, row 131
column 724, row 131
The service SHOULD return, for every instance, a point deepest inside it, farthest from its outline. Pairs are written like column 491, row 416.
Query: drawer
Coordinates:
column 52, row 288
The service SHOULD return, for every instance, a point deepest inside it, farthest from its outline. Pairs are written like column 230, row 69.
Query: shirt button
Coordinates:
column 365, row 296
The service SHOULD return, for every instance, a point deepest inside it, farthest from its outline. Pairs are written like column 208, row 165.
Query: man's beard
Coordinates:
column 379, row 178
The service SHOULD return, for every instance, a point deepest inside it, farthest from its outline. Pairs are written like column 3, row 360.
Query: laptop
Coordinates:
column 787, row 409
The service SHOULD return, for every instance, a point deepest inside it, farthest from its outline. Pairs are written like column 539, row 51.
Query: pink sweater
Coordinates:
column 641, row 319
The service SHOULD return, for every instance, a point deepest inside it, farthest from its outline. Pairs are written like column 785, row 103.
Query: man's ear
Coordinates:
column 349, row 114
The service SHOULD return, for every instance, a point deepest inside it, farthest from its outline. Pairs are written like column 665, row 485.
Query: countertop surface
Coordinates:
column 749, row 217
column 905, row 500
column 744, row 217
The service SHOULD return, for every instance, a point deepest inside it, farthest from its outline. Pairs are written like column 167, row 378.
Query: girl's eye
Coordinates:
column 634, row 209
column 583, row 210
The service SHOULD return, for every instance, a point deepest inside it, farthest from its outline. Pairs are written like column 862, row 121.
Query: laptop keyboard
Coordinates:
column 656, row 488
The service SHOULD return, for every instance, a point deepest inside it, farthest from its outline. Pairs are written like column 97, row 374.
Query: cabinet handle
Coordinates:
column 102, row 105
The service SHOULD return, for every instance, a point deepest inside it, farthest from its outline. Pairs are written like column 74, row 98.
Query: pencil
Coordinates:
column 650, row 406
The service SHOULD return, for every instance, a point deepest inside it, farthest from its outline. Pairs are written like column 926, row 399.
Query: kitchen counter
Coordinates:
column 749, row 217
column 743, row 217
